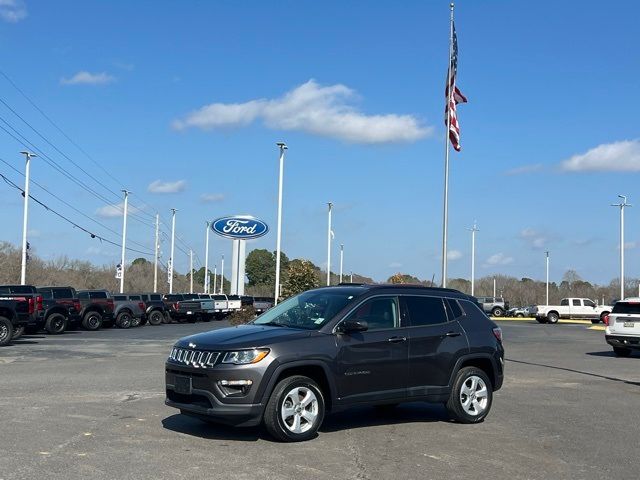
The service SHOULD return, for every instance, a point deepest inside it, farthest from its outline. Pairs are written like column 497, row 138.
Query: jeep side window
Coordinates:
column 380, row 313
column 564, row 302
column 425, row 310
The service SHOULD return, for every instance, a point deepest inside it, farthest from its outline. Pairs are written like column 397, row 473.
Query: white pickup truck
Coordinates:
column 580, row 308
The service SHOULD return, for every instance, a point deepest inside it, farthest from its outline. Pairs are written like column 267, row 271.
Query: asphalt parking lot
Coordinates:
column 91, row 405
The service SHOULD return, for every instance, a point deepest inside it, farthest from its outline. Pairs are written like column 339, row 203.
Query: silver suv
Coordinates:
column 622, row 330
column 494, row 306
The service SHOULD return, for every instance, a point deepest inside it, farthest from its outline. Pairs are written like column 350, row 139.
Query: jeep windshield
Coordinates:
column 309, row 310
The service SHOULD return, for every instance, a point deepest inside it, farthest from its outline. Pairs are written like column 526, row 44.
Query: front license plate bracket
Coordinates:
column 182, row 385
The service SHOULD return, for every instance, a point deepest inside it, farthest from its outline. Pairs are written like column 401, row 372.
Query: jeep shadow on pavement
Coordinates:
column 329, row 349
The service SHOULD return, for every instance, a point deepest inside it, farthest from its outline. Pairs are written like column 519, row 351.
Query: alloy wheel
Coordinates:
column 299, row 410
column 474, row 396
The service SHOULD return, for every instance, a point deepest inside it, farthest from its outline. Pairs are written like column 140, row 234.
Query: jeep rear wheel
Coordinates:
column 622, row 352
column 123, row 320
column 295, row 410
column 497, row 312
column 18, row 332
column 156, row 317
column 92, row 321
column 56, row 324
column 6, row 331
column 471, row 396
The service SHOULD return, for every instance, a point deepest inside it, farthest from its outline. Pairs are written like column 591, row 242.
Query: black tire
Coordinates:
column 156, row 317
column 497, row 312
column 136, row 321
column 552, row 317
column 123, row 320
column 92, row 321
column 18, row 332
column 276, row 425
column 622, row 352
column 6, row 331
column 520, row 315
column 541, row 320
column 166, row 318
column 465, row 380
column 56, row 324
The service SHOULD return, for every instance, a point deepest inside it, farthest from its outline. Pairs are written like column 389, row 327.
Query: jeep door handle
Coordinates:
column 452, row 334
column 397, row 339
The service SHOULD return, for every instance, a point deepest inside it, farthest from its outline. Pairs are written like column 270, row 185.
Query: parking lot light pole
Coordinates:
column 494, row 287
column 222, row 276
column 282, row 146
column 155, row 255
column 341, row 260
column 622, row 205
column 215, row 278
column 124, row 238
column 547, row 295
column 23, row 269
column 329, row 235
column 190, row 271
column 206, row 261
column 173, row 245
column 473, row 256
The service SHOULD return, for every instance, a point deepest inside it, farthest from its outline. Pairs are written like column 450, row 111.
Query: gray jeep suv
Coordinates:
column 327, row 349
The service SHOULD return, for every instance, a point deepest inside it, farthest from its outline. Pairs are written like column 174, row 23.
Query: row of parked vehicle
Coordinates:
column 54, row 309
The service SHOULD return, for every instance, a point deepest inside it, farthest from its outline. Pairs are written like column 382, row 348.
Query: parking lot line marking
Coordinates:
column 598, row 327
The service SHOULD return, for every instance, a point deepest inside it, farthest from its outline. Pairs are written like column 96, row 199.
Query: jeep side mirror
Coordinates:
column 351, row 326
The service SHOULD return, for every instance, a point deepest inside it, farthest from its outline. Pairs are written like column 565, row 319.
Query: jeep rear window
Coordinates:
column 627, row 308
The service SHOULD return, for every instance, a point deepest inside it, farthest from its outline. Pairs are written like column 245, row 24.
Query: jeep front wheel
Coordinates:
column 295, row 410
column 6, row 331
column 471, row 396
column 497, row 312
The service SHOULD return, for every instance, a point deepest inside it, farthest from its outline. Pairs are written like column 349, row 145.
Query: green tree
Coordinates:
column 403, row 278
column 301, row 276
column 140, row 261
column 261, row 267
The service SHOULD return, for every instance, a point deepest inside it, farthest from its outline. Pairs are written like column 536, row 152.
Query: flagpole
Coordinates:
column 445, row 213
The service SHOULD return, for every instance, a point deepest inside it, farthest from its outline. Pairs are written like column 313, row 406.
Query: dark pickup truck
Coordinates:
column 156, row 309
column 61, row 308
column 30, row 294
column 14, row 315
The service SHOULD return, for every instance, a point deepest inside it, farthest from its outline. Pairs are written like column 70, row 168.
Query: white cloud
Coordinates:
column 395, row 265
column 87, row 78
column 211, row 197
column 12, row 11
column 115, row 210
column 167, row 187
column 623, row 156
column 524, row 169
column 534, row 238
column 498, row 259
column 320, row 110
column 454, row 254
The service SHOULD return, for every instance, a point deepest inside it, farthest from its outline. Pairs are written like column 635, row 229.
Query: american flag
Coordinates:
column 454, row 96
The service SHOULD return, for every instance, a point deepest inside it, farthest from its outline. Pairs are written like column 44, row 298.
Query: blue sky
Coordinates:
column 193, row 95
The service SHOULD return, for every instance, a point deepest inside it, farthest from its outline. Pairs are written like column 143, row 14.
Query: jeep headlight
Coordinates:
column 245, row 357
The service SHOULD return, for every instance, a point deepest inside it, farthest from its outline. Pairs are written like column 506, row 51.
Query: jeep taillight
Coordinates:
column 32, row 305
column 39, row 302
column 497, row 332
column 606, row 320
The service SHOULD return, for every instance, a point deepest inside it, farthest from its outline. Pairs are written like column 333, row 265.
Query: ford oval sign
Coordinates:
column 240, row 227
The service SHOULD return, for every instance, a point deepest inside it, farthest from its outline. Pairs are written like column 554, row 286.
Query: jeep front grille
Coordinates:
column 193, row 358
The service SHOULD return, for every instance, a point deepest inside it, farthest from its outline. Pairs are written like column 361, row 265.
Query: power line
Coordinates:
column 93, row 235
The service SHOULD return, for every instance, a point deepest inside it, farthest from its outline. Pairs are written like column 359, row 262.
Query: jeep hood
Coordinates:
column 242, row 336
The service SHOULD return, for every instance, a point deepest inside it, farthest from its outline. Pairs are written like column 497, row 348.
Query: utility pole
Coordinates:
column 155, row 255
column 206, row 261
column 191, row 271
column 547, row 255
column 341, row 260
column 124, row 238
column 25, row 220
column 173, row 245
column 351, row 279
column 222, row 276
column 282, row 146
column 494, row 286
column 215, row 278
column 329, row 235
column 473, row 256
column 622, row 205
